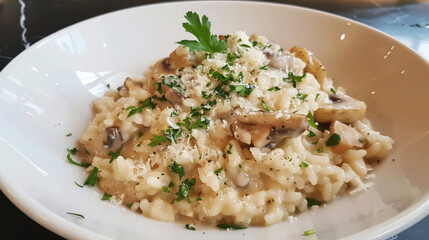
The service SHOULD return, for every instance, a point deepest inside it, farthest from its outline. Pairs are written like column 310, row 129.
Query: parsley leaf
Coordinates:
column 146, row 103
column 106, row 197
column 76, row 214
column 311, row 134
column 201, row 30
column 333, row 140
column 230, row 226
column 72, row 151
column 264, row 106
column 77, row 184
column 312, row 202
column 165, row 189
column 294, row 78
column 157, row 139
column 92, row 178
column 264, row 67
column 311, row 120
column 114, row 155
column 309, row 232
column 217, row 171
column 85, row 165
column 333, row 91
column 189, row 227
column 68, row 135
column 176, row 168
column 303, row 164
column 274, row 89
column 317, row 96
column 242, row 90
column 184, row 190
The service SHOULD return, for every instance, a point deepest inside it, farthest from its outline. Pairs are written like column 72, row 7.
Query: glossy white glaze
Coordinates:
column 46, row 92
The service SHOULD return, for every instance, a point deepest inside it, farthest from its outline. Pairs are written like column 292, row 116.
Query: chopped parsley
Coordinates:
column 294, row 78
column 264, row 106
column 221, row 92
column 301, row 96
column 361, row 140
column 157, row 139
column 311, row 134
column 92, row 178
column 129, row 205
column 76, row 214
column 198, row 198
column 72, row 151
column 312, row 202
column 174, row 114
column 217, row 171
column 309, row 232
column 230, row 226
column 77, row 184
column 106, row 197
column 303, row 164
column 171, row 135
column 87, row 152
column 245, row 45
column 333, row 91
column 146, row 103
column 184, row 190
column 319, row 150
column 231, row 57
column 171, row 184
column 229, row 149
column 85, row 165
column 68, row 135
column 139, row 144
column 275, row 88
column 201, row 30
column 189, row 227
column 114, row 155
column 333, row 140
column 317, row 96
column 314, row 143
column 108, row 86
column 242, row 90
column 311, row 120
column 165, row 189
column 159, row 86
column 264, row 67
column 140, row 134
column 176, row 168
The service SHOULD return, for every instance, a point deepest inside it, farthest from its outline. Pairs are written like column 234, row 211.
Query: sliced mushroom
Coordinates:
column 350, row 137
column 113, row 138
column 281, row 61
column 343, row 108
column 267, row 128
column 173, row 96
column 313, row 65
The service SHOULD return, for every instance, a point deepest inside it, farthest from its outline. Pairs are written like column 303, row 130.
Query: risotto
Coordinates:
column 246, row 135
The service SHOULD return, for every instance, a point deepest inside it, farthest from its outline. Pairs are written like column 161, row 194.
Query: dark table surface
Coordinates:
column 24, row 22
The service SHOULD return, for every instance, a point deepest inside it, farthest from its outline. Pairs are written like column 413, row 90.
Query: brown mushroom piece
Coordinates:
column 343, row 108
column 281, row 61
column 313, row 65
column 267, row 128
column 113, row 139
column 350, row 137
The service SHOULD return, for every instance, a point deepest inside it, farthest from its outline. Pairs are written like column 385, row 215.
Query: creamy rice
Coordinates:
column 249, row 153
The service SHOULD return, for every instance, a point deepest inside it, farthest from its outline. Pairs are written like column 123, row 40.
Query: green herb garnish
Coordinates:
column 264, row 106
column 76, row 214
column 68, row 135
column 165, row 189
column 201, row 30
column 294, row 78
column 72, row 151
column 77, row 184
column 189, row 227
column 333, row 140
column 92, row 178
column 146, row 103
column 106, row 197
column 275, row 88
column 312, row 202
column 361, row 140
column 311, row 134
column 303, row 164
column 333, row 91
column 85, row 165
column 230, row 226
column 264, row 67
column 217, row 171
column 184, row 190
column 311, row 120
column 317, row 96
column 176, row 168
column 198, row 198
column 114, row 155
column 157, row 139
column 309, row 232
column 242, row 90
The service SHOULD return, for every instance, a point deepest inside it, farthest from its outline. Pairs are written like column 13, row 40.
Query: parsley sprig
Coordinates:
column 201, row 30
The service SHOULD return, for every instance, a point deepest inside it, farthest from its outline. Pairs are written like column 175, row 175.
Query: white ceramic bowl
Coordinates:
column 46, row 92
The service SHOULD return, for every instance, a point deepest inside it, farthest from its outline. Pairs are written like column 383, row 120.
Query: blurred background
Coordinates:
column 24, row 22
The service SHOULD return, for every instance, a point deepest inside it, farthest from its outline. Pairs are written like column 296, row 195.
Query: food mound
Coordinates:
column 230, row 129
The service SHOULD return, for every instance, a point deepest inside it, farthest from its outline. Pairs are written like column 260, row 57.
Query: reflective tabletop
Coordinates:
column 24, row 22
